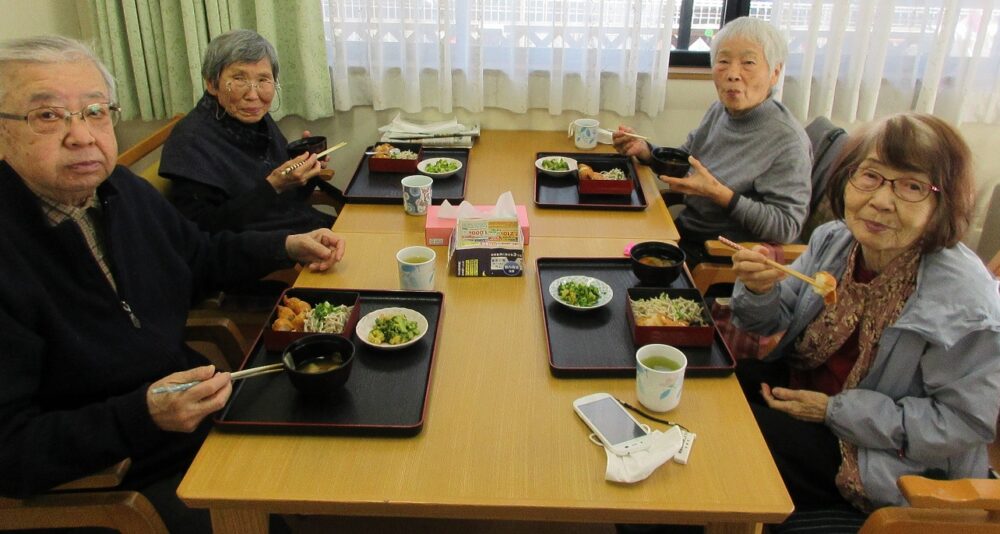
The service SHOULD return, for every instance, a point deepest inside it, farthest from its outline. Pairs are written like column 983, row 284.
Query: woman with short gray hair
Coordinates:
column 750, row 158
column 227, row 160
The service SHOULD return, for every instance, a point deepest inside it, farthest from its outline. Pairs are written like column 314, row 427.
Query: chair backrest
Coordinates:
column 827, row 141
column 145, row 147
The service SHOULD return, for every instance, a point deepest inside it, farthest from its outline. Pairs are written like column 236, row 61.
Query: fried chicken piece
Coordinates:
column 829, row 287
column 297, row 305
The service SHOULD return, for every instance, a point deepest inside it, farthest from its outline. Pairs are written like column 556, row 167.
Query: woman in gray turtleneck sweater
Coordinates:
column 751, row 160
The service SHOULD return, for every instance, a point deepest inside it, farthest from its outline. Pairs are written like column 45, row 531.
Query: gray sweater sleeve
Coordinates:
column 764, row 157
column 782, row 205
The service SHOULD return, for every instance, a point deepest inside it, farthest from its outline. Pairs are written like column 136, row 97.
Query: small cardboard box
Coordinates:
column 438, row 231
column 486, row 247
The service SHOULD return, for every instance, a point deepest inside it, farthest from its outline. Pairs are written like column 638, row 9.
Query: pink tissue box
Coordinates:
column 438, row 231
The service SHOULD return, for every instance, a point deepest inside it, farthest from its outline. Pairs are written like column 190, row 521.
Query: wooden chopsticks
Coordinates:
column 785, row 269
column 292, row 167
column 637, row 136
column 257, row 371
column 239, row 375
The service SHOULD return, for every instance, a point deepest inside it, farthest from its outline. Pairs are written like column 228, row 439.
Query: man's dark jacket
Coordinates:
column 74, row 363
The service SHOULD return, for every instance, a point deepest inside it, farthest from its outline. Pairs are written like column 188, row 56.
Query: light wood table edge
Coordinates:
column 226, row 519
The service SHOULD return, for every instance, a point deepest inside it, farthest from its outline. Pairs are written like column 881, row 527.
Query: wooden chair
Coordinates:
column 969, row 506
column 827, row 140
column 93, row 501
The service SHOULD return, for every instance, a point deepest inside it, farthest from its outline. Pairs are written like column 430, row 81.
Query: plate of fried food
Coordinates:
column 300, row 312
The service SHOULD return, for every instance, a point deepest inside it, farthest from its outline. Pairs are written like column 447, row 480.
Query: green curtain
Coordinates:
column 154, row 50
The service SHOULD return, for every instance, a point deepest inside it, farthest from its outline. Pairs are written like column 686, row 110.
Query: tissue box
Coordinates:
column 438, row 231
column 486, row 247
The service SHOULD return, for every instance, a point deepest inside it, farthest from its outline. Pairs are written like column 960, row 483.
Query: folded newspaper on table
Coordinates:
column 448, row 133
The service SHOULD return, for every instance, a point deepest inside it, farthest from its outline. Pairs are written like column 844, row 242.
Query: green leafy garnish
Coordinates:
column 579, row 294
column 393, row 330
column 442, row 165
column 555, row 164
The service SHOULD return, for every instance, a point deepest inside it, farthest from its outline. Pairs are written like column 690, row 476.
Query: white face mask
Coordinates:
column 638, row 465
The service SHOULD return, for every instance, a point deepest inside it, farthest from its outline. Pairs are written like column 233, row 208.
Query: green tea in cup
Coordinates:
column 416, row 259
column 661, row 363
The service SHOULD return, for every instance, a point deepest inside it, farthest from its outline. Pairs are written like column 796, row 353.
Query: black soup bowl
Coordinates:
column 319, row 364
column 656, row 263
column 672, row 162
column 312, row 145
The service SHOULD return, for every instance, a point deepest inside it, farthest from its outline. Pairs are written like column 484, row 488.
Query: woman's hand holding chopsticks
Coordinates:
column 752, row 268
column 824, row 283
column 295, row 172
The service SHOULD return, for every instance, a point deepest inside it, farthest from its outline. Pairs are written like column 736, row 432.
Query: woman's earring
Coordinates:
column 220, row 112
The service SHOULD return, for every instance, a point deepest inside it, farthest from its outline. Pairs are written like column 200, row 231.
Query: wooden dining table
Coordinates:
column 501, row 440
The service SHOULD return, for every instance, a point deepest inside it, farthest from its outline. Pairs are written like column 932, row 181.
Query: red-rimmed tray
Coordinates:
column 598, row 343
column 368, row 187
column 386, row 394
column 562, row 191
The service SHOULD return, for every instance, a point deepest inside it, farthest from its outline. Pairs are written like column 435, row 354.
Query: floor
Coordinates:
column 392, row 525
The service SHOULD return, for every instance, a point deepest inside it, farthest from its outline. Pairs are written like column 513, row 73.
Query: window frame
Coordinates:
column 731, row 9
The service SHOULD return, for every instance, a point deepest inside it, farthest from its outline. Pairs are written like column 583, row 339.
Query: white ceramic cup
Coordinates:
column 416, row 267
column 416, row 194
column 658, row 382
column 584, row 133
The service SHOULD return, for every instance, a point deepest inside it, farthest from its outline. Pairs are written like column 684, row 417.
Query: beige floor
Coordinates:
column 369, row 525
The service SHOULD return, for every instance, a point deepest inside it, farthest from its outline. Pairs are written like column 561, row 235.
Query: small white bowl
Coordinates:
column 570, row 162
column 602, row 288
column 366, row 323
column 422, row 167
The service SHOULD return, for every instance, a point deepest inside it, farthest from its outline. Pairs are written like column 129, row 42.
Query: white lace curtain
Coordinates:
column 579, row 55
column 856, row 60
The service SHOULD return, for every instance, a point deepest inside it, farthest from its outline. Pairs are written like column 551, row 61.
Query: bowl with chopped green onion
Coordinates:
column 439, row 167
column 391, row 328
column 556, row 165
column 580, row 292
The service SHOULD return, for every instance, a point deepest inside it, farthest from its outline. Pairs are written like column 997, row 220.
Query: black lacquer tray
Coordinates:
column 383, row 187
column 562, row 191
column 386, row 393
column 598, row 343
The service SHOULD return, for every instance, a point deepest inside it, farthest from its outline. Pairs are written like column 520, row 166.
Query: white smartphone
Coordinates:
column 615, row 427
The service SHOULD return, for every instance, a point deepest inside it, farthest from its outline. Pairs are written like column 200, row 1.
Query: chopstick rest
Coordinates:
column 294, row 166
column 239, row 375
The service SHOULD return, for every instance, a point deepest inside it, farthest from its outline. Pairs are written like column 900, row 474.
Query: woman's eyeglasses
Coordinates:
column 55, row 119
column 242, row 86
column 908, row 189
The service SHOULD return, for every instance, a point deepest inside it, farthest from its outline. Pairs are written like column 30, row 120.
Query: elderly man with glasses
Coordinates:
column 98, row 274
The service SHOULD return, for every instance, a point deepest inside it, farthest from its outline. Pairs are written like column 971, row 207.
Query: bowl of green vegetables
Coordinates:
column 580, row 292
column 439, row 167
column 391, row 328
column 556, row 165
